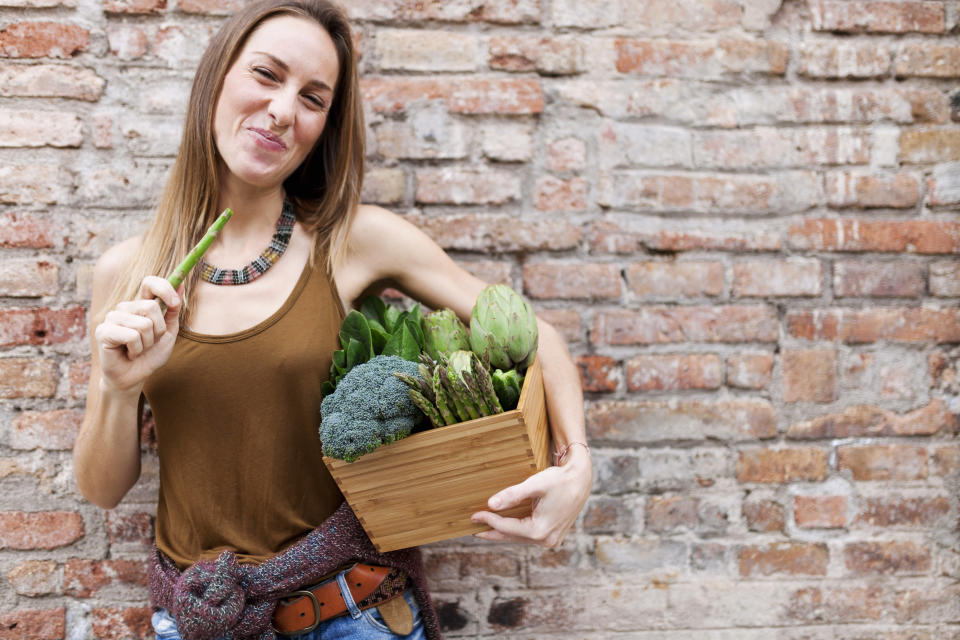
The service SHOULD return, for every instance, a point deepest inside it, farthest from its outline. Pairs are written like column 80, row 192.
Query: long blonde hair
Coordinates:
column 325, row 188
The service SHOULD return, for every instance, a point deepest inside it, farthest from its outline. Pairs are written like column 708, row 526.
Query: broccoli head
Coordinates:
column 369, row 407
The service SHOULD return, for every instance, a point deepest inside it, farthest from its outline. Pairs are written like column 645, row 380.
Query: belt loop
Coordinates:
column 347, row 596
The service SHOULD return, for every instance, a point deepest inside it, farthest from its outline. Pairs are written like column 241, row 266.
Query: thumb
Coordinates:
column 514, row 495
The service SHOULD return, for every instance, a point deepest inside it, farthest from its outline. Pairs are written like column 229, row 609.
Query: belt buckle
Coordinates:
column 316, row 614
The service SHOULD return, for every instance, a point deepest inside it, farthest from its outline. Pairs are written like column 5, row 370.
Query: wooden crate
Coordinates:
column 425, row 487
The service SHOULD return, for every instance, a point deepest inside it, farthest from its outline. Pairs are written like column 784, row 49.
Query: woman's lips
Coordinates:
column 267, row 140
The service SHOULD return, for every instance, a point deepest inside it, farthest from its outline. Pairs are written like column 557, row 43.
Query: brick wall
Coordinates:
column 741, row 214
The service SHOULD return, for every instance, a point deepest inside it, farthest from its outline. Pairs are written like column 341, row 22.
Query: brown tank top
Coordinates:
column 237, row 418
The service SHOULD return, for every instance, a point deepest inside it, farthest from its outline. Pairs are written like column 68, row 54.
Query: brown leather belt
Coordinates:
column 302, row 611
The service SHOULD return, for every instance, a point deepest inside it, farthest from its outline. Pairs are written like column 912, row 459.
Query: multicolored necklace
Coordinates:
column 249, row 273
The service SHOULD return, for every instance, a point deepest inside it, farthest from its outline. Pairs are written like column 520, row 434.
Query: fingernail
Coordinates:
column 495, row 504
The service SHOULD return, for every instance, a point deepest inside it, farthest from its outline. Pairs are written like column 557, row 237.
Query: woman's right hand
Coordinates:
column 136, row 338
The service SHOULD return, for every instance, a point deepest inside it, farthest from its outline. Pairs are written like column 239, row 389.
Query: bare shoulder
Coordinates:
column 373, row 226
column 116, row 259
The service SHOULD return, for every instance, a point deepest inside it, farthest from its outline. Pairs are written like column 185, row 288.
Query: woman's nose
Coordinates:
column 282, row 108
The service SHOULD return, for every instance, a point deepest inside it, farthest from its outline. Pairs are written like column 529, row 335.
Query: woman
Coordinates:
column 247, row 514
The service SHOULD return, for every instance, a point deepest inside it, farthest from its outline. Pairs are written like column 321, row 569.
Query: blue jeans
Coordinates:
column 354, row 625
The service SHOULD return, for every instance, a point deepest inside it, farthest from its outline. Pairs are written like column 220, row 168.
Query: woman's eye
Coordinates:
column 316, row 103
column 263, row 72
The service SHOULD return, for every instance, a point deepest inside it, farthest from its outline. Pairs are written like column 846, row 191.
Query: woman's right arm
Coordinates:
column 134, row 340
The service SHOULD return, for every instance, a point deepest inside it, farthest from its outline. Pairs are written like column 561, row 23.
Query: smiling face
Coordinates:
column 274, row 101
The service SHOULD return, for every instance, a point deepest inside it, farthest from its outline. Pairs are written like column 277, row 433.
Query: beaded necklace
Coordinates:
column 252, row 271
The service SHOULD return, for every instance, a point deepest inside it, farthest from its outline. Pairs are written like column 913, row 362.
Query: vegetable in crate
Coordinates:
column 370, row 407
column 443, row 333
column 507, row 385
column 452, row 390
column 503, row 328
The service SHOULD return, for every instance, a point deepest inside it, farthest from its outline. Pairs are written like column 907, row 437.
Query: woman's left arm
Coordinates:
column 386, row 250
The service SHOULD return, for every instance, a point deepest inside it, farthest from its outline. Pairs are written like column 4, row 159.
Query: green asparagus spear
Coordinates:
column 180, row 272
column 426, row 406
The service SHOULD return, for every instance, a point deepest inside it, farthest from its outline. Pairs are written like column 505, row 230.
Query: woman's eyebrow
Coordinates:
column 320, row 84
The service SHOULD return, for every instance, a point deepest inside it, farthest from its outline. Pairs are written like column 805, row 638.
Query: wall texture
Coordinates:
column 741, row 213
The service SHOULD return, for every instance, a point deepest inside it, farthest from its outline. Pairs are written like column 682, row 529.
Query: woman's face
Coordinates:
column 275, row 99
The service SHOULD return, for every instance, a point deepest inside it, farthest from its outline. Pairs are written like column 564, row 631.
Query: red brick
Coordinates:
column 866, row 421
column 41, row 326
column 663, row 325
column 749, row 370
column 686, row 15
column 472, row 94
column 598, row 373
column 39, row 529
column 654, row 421
column 901, row 511
column 136, row 528
column 567, row 154
column 847, row 189
column 28, row 378
column 674, row 372
column 764, row 515
column 28, row 230
column 566, row 321
column 675, row 279
column 670, row 513
column 837, row 60
column 79, row 379
column 33, row 624
column 610, row 238
column 28, row 278
column 85, row 578
column 497, row 11
column 132, row 623
column 498, row 233
column 896, row 236
column 886, row 558
column 489, row 564
column 782, row 465
column 466, row 186
column 788, row 277
column 42, row 40
column 210, row 7
column 26, row 184
column 134, row 6
column 608, row 515
column 50, row 81
column 554, row 194
column 877, row 17
column 50, row 430
column 127, row 41
column 945, row 279
column 809, row 375
column 859, row 278
column 928, row 60
column 700, row 59
column 857, row 326
column 785, row 558
column 422, row 50
column 548, row 56
column 820, row 512
column 785, row 147
column 36, row 578
column 490, row 271
column 580, row 281
column 929, row 145
column 883, row 462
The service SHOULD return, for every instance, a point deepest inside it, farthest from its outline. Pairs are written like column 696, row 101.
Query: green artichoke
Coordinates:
column 443, row 334
column 503, row 329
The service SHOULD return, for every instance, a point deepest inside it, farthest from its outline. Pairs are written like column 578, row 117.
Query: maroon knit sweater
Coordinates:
column 222, row 598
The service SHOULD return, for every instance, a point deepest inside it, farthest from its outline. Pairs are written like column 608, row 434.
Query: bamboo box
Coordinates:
column 425, row 487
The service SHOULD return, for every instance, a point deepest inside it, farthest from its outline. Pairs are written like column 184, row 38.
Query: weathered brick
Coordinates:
column 891, row 236
column 927, row 60
column 877, row 17
column 784, row 558
column 130, row 528
column 664, row 16
column 490, row 271
column 41, row 325
column 547, row 56
column 428, row 134
column 384, row 186
column 79, row 378
column 29, row 231
column 780, row 148
column 26, row 184
column 883, row 462
column 886, row 558
column 944, row 186
column 28, row 378
column 210, row 7
column 497, row 11
column 83, row 578
column 945, row 279
column 473, row 94
column 131, row 623
column 28, row 278
column 48, row 430
column 39, row 529
column 38, row 4
column 749, row 370
column 592, row 14
column 42, row 40
column 930, row 145
column 181, row 45
column 608, row 515
column 847, row 189
column 425, row 50
column 857, row 326
column 674, row 372
column 787, row 277
column 844, row 60
column 902, row 511
column 127, row 41
column 675, row 279
column 508, row 142
column 580, row 281
column 700, row 59
column 670, row 513
column 662, row 325
column 50, row 81
column 33, row 624
column 764, row 515
column 498, row 233
column 598, row 373
column 134, row 6
column 554, row 194
column 945, row 460
column 35, row 578
column 607, row 237
column 640, row 555
column 567, row 154
column 566, row 321
column 866, row 421
column 466, row 186
column 782, row 465
column 654, row 421
column 809, row 375
column 872, row 278
column 820, row 512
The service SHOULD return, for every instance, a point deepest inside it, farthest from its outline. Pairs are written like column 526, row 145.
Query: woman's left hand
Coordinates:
column 558, row 494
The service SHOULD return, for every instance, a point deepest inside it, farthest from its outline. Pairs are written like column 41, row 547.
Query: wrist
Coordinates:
column 108, row 390
column 573, row 452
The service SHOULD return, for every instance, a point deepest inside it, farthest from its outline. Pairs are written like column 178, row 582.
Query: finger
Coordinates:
column 156, row 287
column 116, row 337
column 146, row 327
column 532, row 487
column 504, row 528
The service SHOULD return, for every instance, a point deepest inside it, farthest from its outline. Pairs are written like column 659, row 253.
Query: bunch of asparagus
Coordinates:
column 454, row 389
